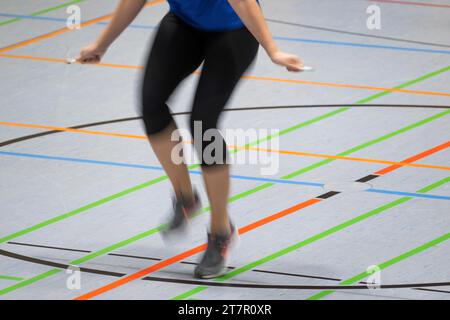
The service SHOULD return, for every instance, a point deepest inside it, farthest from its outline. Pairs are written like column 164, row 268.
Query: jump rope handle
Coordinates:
column 307, row 68
column 71, row 60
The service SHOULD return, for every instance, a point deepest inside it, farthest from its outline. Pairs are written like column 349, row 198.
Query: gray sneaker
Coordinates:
column 183, row 211
column 213, row 262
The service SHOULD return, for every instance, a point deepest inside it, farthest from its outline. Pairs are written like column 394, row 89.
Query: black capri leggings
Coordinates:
column 178, row 50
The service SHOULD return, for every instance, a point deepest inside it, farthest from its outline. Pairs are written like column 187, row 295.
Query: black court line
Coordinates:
column 306, row 26
column 47, row 247
column 324, row 196
column 46, row 133
column 223, row 284
column 158, row 259
column 327, row 195
column 368, row 178
column 82, row 126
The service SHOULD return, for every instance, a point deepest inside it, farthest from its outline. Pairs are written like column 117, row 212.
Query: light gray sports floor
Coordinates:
column 95, row 200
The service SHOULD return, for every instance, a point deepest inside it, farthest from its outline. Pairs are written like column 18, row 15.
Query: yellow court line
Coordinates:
column 287, row 152
column 249, row 77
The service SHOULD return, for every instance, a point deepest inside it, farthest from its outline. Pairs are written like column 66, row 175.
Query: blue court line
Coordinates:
column 362, row 45
column 407, row 194
column 311, row 41
column 198, row 172
column 42, row 18
column 133, row 25
column 8, row 15
column 139, row 166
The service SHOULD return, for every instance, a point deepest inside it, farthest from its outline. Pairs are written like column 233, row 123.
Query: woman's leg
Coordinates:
column 178, row 174
column 228, row 56
column 177, row 51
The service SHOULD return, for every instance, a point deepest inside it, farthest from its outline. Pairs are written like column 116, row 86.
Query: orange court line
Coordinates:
column 416, row 157
column 60, row 60
column 248, row 77
column 65, row 30
column 191, row 252
column 160, row 265
column 259, row 223
column 348, row 86
column 407, row 163
column 154, row 2
column 327, row 156
column 63, row 129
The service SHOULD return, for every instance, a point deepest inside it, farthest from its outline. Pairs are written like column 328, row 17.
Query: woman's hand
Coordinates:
column 91, row 54
column 125, row 13
column 290, row 61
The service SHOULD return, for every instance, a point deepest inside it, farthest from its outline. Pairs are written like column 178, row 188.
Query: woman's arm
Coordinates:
column 251, row 15
column 124, row 14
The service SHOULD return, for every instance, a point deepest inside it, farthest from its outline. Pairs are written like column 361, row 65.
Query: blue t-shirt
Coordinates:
column 211, row 15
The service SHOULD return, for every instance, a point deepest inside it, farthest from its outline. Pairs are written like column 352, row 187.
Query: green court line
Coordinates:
column 234, row 198
column 10, row 278
column 157, row 229
column 80, row 210
column 367, row 144
column 385, row 265
column 312, row 239
column 163, row 178
column 121, row 194
column 150, row 183
column 41, row 12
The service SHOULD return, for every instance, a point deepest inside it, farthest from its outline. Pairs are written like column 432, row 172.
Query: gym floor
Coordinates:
column 363, row 182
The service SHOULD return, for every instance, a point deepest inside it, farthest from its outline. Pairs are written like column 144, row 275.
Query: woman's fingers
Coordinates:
column 294, row 69
column 92, row 54
column 89, row 60
column 296, row 64
column 88, row 57
column 291, row 62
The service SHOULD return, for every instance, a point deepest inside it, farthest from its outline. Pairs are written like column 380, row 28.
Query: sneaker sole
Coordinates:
column 212, row 276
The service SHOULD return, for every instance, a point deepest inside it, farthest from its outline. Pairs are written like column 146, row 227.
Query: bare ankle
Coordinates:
column 224, row 229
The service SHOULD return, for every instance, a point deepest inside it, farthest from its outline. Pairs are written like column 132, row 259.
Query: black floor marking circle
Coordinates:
column 82, row 126
column 220, row 284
